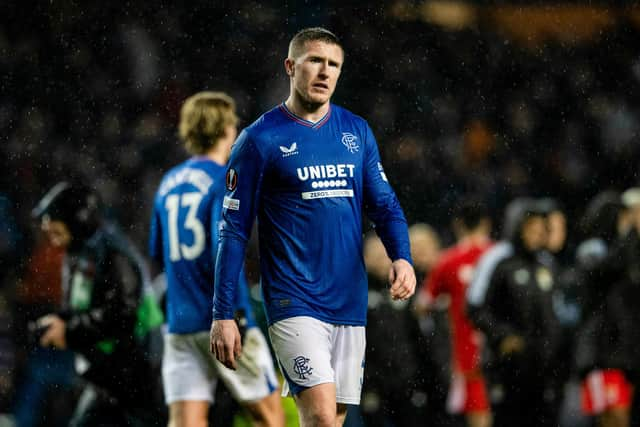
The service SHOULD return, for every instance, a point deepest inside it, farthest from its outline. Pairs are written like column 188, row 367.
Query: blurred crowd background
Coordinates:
column 496, row 99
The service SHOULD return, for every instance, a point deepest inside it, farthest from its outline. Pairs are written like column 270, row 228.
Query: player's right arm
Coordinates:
column 243, row 182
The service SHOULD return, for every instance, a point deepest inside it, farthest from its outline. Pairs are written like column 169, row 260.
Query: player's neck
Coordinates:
column 305, row 110
column 218, row 154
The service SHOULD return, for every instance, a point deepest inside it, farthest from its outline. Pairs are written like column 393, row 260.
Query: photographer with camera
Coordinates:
column 103, row 283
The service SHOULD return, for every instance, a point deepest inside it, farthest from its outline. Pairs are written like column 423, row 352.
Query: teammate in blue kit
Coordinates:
column 184, row 240
column 306, row 169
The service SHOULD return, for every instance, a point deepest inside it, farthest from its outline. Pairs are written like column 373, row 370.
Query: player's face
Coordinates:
column 315, row 73
column 57, row 232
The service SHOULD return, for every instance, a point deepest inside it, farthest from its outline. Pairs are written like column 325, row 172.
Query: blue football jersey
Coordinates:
column 307, row 183
column 184, row 240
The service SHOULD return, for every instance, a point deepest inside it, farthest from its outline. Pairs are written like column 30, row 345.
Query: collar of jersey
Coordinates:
column 203, row 158
column 298, row 119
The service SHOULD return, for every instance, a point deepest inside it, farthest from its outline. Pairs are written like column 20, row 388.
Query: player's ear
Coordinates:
column 289, row 66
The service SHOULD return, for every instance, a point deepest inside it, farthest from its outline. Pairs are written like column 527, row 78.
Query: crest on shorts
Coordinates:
column 301, row 367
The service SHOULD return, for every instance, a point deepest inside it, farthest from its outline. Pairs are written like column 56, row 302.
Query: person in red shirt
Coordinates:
column 451, row 276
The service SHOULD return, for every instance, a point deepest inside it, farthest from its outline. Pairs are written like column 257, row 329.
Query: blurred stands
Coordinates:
column 492, row 105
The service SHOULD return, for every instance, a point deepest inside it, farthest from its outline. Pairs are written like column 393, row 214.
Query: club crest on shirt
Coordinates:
column 301, row 367
column 232, row 179
column 350, row 141
column 289, row 151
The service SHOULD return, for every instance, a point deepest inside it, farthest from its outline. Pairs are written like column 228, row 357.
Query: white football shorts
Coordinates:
column 191, row 372
column 312, row 352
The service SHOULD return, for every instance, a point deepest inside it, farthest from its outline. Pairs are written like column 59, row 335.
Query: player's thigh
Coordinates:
column 188, row 414
column 255, row 377
column 317, row 405
column 188, row 370
column 267, row 411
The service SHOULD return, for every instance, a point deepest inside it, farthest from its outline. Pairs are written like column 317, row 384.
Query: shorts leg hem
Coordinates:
column 348, row 400
column 305, row 387
column 174, row 399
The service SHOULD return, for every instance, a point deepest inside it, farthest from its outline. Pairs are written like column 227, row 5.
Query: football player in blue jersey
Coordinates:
column 184, row 240
column 306, row 169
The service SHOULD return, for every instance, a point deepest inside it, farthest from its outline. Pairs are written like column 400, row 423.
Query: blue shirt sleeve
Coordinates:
column 242, row 300
column 216, row 215
column 155, row 237
column 244, row 178
column 382, row 205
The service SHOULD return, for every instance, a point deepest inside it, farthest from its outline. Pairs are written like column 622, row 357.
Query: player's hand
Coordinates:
column 511, row 344
column 55, row 334
column 402, row 279
column 226, row 343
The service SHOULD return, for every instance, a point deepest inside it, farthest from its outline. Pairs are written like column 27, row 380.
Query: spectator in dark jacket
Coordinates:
column 600, row 357
column 630, row 296
column 514, row 311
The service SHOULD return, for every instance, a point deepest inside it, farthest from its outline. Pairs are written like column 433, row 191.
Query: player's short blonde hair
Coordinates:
column 298, row 42
column 203, row 119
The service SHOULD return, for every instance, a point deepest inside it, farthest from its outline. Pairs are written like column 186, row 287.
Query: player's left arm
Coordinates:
column 244, row 177
column 383, row 208
column 241, row 304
